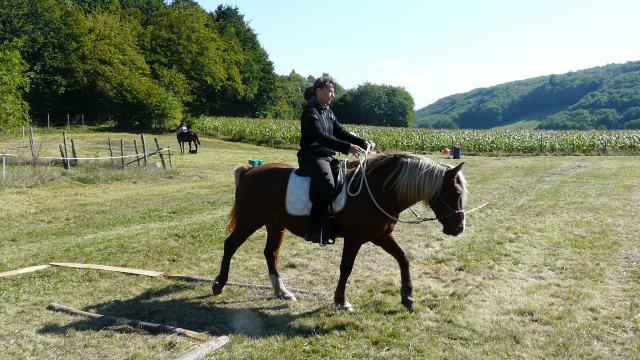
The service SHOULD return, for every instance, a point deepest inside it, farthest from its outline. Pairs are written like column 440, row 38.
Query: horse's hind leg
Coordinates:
column 390, row 245
column 275, row 236
column 231, row 245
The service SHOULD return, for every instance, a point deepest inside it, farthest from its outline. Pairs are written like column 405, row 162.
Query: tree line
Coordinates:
column 603, row 98
column 151, row 64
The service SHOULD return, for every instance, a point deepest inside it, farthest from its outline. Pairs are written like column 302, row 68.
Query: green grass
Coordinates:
column 548, row 269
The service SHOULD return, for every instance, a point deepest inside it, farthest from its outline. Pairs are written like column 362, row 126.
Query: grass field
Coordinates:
column 549, row 269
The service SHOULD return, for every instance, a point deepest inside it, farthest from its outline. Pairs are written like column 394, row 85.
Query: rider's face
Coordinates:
column 325, row 94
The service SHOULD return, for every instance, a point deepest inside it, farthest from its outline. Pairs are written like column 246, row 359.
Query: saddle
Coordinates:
column 300, row 191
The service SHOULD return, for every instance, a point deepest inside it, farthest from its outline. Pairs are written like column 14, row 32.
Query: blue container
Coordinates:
column 457, row 152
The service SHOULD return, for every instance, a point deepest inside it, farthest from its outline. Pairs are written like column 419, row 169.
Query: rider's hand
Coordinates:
column 370, row 144
column 355, row 150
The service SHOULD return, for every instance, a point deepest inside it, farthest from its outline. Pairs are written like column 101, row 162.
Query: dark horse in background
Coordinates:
column 396, row 181
column 188, row 136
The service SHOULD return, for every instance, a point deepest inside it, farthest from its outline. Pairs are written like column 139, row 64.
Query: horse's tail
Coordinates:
column 197, row 140
column 237, row 174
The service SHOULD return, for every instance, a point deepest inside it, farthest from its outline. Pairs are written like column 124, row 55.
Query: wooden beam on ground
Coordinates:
column 111, row 268
column 204, row 349
column 24, row 270
column 112, row 320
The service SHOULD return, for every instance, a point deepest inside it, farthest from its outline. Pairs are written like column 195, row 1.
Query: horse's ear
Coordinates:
column 456, row 169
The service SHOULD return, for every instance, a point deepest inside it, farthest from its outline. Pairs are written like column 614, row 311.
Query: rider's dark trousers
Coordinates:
column 319, row 169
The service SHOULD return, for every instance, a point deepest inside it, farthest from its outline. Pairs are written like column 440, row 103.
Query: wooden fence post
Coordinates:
column 144, row 150
column 135, row 146
column 32, row 145
column 122, row 152
column 110, row 151
column 66, row 153
column 164, row 166
column 73, row 154
column 170, row 163
column 65, row 164
column 4, row 173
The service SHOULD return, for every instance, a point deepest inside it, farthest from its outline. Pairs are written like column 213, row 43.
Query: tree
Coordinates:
column 39, row 28
column 14, row 81
column 259, row 91
column 291, row 102
column 379, row 105
column 186, row 53
column 111, row 75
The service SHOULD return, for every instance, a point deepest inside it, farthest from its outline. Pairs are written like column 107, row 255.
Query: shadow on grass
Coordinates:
column 197, row 314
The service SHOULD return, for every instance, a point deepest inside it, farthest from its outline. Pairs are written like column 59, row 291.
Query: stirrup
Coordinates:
column 328, row 240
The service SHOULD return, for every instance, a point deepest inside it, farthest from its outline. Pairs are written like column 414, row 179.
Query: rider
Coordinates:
column 321, row 135
column 183, row 127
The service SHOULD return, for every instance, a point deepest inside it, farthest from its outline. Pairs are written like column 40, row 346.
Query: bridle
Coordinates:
column 363, row 179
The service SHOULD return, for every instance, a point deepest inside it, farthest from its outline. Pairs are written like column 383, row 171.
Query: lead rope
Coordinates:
column 362, row 166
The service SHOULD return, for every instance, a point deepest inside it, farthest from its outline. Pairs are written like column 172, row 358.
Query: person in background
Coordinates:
column 321, row 136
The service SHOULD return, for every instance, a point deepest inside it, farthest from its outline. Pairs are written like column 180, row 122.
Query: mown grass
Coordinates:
column 548, row 269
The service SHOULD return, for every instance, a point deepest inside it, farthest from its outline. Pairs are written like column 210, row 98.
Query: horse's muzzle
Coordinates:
column 453, row 230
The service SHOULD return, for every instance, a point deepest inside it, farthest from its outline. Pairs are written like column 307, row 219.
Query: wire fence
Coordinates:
column 29, row 154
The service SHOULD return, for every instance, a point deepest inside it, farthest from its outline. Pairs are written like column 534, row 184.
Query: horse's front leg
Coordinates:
column 349, row 253
column 390, row 245
column 275, row 236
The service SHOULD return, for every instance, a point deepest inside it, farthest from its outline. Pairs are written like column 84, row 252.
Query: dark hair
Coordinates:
column 320, row 83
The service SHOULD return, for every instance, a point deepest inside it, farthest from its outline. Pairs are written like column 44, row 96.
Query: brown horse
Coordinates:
column 188, row 137
column 394, row 182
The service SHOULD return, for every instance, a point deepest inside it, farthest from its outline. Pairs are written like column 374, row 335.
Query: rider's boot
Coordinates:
column 315, row 231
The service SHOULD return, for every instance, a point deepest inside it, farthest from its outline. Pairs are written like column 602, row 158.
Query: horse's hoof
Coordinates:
column 287, row 296
column 408, row 302
column 217, row 288
column 346, row 306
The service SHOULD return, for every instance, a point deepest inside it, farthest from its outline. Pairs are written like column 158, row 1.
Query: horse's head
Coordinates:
column 448, row 203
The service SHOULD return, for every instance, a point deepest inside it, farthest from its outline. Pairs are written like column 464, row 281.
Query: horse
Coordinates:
column 394, row 181
column 188, row 136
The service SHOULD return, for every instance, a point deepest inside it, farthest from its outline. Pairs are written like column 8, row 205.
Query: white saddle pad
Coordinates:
column 297, row 201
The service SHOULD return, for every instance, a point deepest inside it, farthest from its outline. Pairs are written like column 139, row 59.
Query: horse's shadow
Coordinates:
column 212, row 318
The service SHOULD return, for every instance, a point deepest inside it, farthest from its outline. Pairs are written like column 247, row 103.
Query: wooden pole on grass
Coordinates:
column 112, row 320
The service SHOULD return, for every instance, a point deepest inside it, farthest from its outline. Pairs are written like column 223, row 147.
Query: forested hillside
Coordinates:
column 606, row 97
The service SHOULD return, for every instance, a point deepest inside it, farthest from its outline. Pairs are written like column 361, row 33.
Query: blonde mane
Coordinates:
column 414, row 178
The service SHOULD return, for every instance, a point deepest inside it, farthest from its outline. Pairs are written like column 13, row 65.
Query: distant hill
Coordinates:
column 606, row 97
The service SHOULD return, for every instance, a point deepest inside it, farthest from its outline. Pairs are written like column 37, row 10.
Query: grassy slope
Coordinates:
column 547, row 270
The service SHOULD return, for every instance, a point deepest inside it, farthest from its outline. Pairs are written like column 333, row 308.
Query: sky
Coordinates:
column 437, row 48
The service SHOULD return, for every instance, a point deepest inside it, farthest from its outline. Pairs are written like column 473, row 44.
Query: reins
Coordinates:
column 362, row 166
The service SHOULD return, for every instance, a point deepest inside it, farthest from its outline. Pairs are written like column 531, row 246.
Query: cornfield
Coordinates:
column 286, row 133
